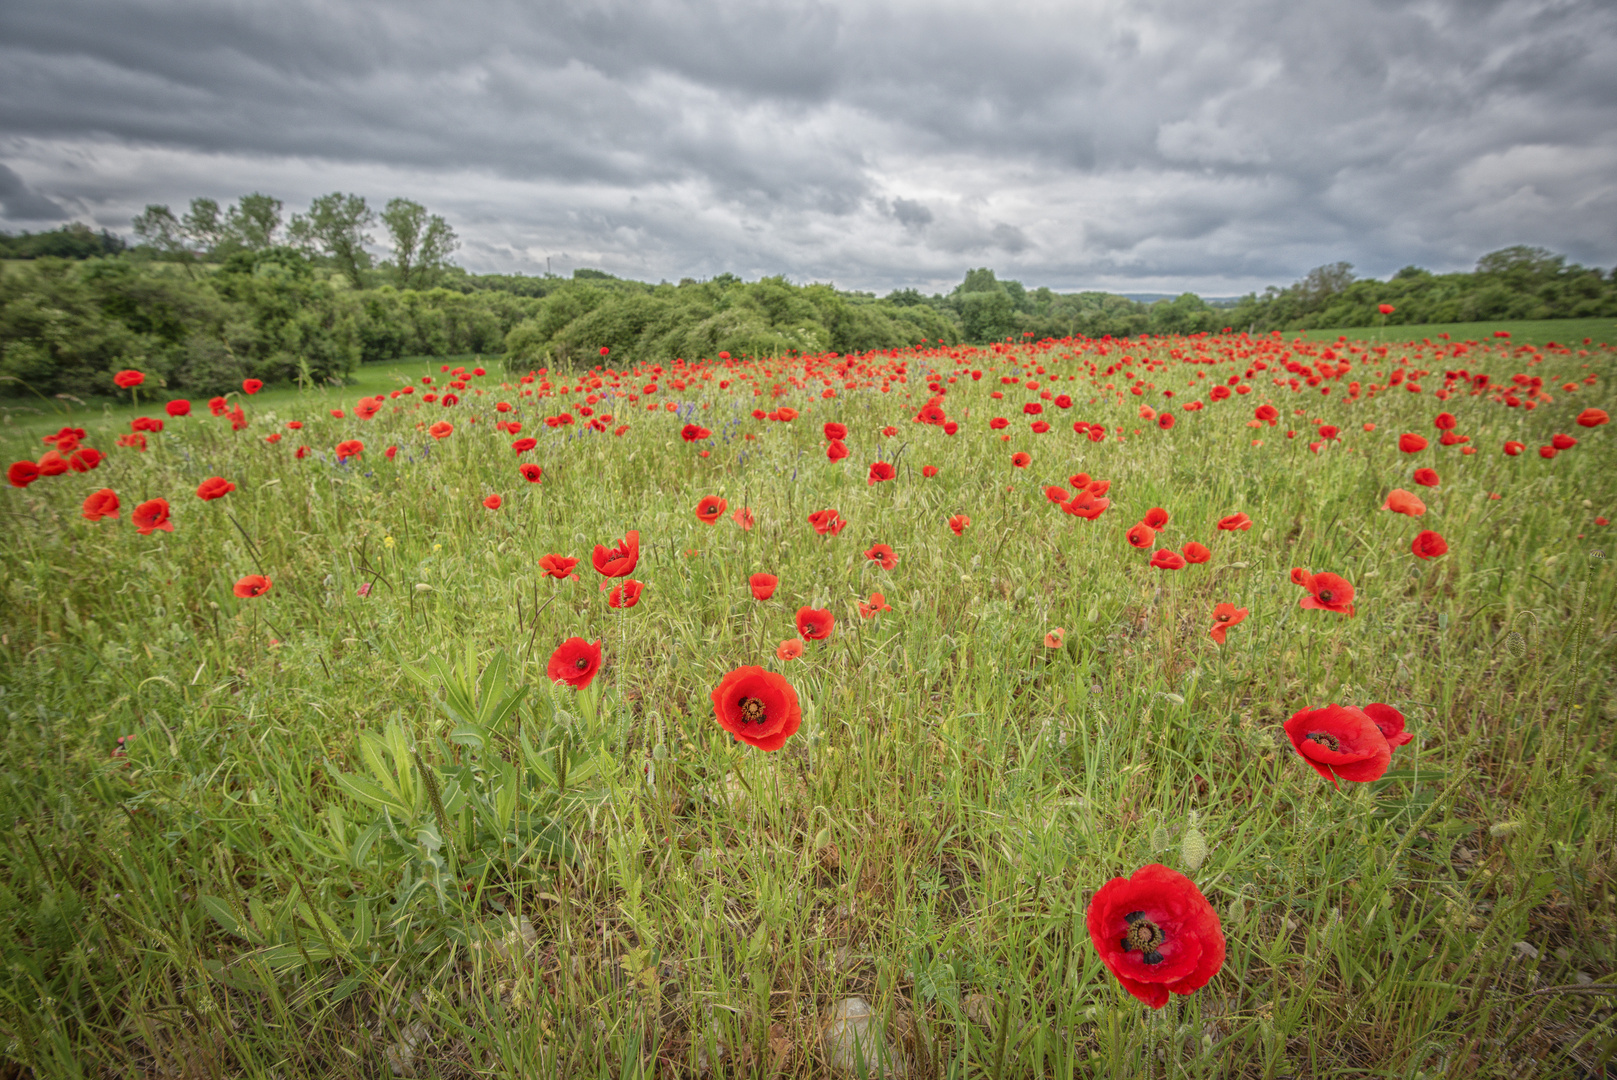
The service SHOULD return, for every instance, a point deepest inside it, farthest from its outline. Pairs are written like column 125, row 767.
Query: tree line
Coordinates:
column 213, row 295
column 1517, row 282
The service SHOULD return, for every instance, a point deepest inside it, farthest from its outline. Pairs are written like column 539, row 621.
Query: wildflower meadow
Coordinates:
column 1233, row 705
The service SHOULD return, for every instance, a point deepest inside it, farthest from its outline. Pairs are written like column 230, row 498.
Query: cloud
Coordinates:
column 877, row 143
column 21, row 204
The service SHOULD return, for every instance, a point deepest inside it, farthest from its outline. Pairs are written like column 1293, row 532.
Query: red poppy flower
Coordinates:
column 878, row 604
column 178, row 407
column 523, row 445
column 214, row 487
column 303, row 452
column 574, row 662
column 1444, row 421
column 150, row 516
column 618, row 561
column 929, row 471
column 559, row 567
column 1513, row 448
column 1021, row 459
column 1054, row 638
column 135, row 440
column 85, row 458
column 441, row 430
column 1391, row 723
column 836, row 450
column 101, row 504
column 1400, row 501
column 881, row 553
column 827, row 522
column 1235, row 522
column 367, row 408
column 1428, row 545
column 294, row 425
column 128, row 378
column 252, row 585
column 1056, row 494
column 1157, row 933
column 1340, row 742
column 252, row 386
column 146, row 423
column 1165, row 421
column 790, row 649
column 52, row 463
column 694, row 433
column 879, row 471
column 217, row 406
column 22, row 473
column 1195, row 553
column 1141, row 536
column 349, row 448
column 834, row 431
column 814, row 624
column 1224, row 617
column 1593, row 418
column 1427, row 477
column 1563, row 442
column 1326, row 592
column 710, row 509
column 1167, row 560
column 758, row 707
column 889, row 431
column 1099, row 487
column 785, row 414
column 493, row 502
column 999, row 423
column 1267, row 413
column 1547, row 452
column 1385, row 309
column 1411, row 444
column 1087, row 506
column 626, row 595
column 959, row 523
column 763, row 585
column 1156, row 517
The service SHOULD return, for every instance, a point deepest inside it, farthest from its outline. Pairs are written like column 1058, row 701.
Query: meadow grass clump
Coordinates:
column 343, row 820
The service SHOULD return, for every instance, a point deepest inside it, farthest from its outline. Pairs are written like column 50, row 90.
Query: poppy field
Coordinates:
column 1200, row 706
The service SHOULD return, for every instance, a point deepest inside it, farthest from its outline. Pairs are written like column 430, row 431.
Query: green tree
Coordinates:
column 254, row 221
column 335, row 226
column 162, row 232
column 421, row 244
column 204, row 227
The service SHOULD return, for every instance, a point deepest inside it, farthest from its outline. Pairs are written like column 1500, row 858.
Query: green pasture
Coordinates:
column 1540, row 332
column 354, row 830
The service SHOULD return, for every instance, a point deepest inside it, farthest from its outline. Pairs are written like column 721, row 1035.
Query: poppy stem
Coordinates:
column 257, row 556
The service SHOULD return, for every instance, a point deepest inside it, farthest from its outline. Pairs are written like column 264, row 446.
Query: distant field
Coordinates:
column 22, row 415
column 1522, row 331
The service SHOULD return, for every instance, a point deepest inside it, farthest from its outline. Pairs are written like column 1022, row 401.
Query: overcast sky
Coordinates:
column 1143, row 146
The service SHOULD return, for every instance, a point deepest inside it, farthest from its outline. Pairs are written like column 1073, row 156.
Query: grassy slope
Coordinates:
column 930, row 838
column 1541, row 332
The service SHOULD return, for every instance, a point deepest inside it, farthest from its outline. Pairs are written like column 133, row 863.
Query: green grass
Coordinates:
column 609, row 885
column 1540, row 332
column 25, row 415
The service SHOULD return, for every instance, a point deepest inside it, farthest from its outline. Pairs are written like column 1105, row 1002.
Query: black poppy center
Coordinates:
column 1143, row 937
column 581, row 663
column 1325, row 739
column 752, row 711
column 808, row 629
column 1325, row 595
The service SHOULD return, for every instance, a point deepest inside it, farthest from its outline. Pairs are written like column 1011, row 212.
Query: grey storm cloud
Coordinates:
column 21, row 204
column 876, row 143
